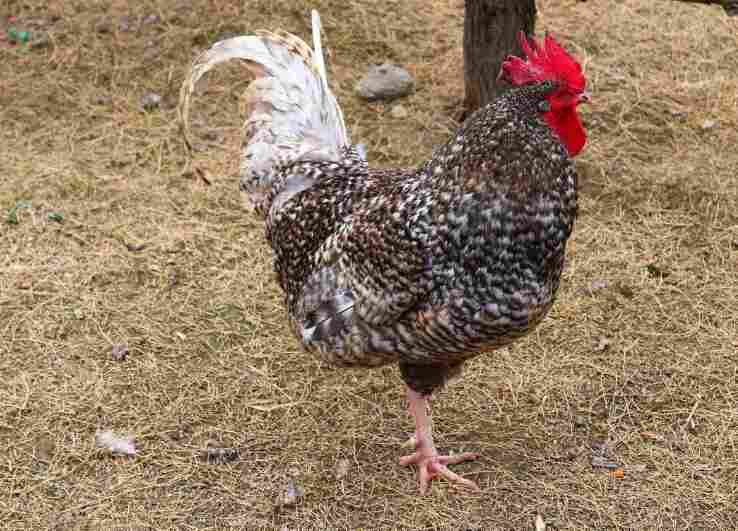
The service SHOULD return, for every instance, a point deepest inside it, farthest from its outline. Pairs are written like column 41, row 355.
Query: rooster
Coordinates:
column 425, row 267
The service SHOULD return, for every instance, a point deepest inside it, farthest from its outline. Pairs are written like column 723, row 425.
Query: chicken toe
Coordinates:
column 430, row 464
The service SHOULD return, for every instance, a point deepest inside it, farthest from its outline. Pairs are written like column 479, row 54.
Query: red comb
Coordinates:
column 549, row 61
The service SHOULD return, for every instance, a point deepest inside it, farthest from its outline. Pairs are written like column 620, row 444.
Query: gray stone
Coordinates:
column 40, row 40
column 150, row 101
column 385, row 82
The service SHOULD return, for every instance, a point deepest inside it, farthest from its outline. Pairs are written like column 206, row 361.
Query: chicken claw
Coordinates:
column 430, row 464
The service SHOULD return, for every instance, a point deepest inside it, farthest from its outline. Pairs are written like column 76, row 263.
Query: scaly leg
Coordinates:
column 430, row 464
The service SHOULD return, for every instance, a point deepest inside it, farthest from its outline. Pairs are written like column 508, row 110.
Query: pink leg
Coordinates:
column 430, row 464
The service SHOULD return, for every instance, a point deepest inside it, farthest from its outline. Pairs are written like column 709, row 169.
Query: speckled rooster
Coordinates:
column 426, row 267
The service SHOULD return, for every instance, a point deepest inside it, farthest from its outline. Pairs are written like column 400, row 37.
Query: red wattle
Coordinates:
column 565, row 122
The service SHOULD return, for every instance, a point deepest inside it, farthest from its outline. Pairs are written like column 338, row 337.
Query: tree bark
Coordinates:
column 491, row 34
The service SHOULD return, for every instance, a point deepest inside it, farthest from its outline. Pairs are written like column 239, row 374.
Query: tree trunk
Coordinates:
column 491, row 34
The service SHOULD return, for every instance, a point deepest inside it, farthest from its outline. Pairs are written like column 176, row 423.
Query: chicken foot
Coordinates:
column 430, row 464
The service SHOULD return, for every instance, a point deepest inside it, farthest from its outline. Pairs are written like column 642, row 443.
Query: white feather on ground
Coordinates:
column 117, row 444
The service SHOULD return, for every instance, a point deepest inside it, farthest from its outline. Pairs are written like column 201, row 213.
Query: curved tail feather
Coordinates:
column 292, row 114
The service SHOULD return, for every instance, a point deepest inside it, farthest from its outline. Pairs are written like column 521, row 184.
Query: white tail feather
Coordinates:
column 292, row 114
column 318, row 49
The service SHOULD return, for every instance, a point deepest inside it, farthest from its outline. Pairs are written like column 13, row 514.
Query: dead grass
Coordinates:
column 211, row 360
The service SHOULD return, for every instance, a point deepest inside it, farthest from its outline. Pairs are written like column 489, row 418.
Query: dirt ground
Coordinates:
column 110, row 238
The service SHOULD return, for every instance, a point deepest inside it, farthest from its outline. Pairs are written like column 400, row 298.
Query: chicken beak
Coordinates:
column 585, row 97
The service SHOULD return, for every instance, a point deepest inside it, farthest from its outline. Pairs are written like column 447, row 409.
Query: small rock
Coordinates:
column 398, row 111
column 40, row 40
column 150, row 101
column 602, row 344
column 56, row 360
column 120, row 352
column 135, row 247
column 292, row 495
column 708, row 124
column 385, row 82
column 221, row 455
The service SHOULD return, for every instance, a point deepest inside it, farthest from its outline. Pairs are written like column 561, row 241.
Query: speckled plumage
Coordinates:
column 425, row 267
column 429, row 266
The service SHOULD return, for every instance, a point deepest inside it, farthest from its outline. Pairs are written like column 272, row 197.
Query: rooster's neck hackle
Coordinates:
column 504, row 147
